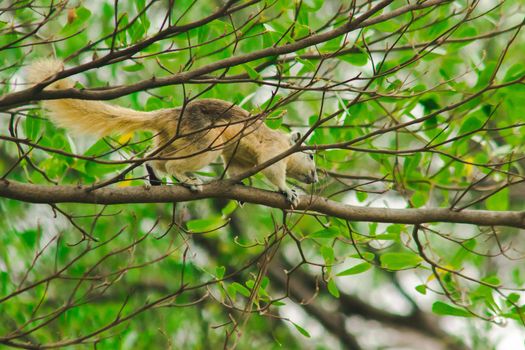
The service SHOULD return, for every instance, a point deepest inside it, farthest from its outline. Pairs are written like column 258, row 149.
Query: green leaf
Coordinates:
column 387, row 26
column 134, row 67
column 328, row 254
column 485, row 74
column 29, row 237
column 301, row 330
column 60, row 141
column 429, row 104
column 229, row 208
column 232, row 292
column 252, row 73
column 308, row 66
column 515, row 72
column 492, row 280
column 153, row 103
column 365, row 255
column 203, row 32
column 419, row 198
column 144, row 20
column 137, row 32
column 487, row 109
column 301, row 31
column 499, row 200
column 278, row 303
column 201, row 225
column 219, row 272
column 512, row 298
column 387, row 236
column 332, row 288
column 313, row 5
column 422, row 289
column 471, row 124
column 359, row 268
column 32, row 127
column 410, row 164
column 274, row 120
column 399, row 261
column 330, row 232
column 265, row 282
column 83, row 14
column 356, row 59
column 372, row 229
column 467, row 31
column 361, row 196
column 4, row 282
column 463, row 252
column 395, row 228
column 441, row 308
column 241, row 289
column 98, row 148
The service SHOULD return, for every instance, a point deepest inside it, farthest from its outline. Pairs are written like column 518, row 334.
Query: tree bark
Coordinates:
column 227, row 190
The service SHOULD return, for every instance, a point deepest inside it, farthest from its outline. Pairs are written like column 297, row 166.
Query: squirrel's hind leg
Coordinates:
column 189, row 181
column 181, row 168
column 193, row 183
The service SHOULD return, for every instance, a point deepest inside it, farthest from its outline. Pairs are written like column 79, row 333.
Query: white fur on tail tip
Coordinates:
column 86, row 116
column 44, row 68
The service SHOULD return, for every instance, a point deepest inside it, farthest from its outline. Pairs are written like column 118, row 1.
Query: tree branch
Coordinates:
column 35, row 93
column 228, row 190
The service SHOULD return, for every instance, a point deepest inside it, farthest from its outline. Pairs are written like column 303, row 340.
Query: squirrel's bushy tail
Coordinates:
column 85, row 116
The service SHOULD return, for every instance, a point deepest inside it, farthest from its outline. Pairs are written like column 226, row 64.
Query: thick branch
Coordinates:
column 227, row 190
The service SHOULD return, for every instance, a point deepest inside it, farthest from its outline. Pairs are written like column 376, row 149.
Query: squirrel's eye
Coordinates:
column 311, row 156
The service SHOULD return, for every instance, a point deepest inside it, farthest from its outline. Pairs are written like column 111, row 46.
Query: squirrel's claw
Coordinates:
column 195, row 188
column 193, row 184
column 291, row 197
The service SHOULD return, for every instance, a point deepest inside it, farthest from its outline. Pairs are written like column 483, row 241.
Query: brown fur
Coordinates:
column 192, row 137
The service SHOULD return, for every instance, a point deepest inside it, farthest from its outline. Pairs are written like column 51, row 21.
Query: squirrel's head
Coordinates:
column 301, row 165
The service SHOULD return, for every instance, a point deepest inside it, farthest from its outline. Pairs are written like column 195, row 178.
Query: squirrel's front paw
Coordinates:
column 193, row 184
column 291, row 197
column 195, row 188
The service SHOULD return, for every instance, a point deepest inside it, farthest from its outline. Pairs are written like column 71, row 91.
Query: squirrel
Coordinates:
column 187, row 138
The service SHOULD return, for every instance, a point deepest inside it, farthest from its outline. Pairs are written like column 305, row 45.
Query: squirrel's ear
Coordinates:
column 295, row 136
